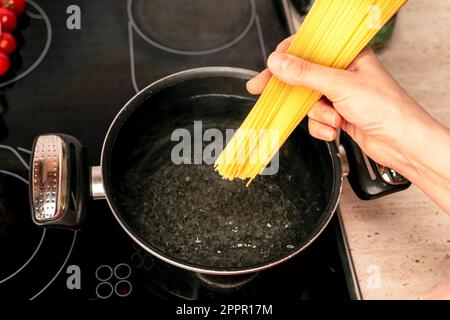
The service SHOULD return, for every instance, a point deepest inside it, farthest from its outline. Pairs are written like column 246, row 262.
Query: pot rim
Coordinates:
column 173, row 79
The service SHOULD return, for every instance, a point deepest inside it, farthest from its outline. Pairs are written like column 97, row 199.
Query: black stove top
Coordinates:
column 74, row 82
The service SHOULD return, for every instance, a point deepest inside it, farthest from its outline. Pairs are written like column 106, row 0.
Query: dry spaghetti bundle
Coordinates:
column 333, row 34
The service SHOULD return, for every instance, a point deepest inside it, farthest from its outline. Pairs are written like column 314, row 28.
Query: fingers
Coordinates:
column 283, row 46
column 258, row 83
column 300, row 72
column 323, row 121
column 323, row 118
column 321, row 131
column 365, row 60
column 324, row 112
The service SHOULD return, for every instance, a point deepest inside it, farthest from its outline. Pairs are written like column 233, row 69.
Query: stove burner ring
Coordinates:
column 44, row 231
column 226, row 282
column 38, row 247
column 42, row 16
column 191, row 52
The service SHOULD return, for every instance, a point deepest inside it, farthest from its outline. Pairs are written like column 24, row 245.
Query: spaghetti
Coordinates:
column 333, row 34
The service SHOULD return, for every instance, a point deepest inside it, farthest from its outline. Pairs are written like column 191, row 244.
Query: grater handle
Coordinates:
column 58, row 181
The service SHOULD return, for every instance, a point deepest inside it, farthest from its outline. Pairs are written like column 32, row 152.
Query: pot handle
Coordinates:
column 59, row 181
column 370, row 180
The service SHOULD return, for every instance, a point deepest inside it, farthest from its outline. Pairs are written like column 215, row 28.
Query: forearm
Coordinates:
column 428, row 159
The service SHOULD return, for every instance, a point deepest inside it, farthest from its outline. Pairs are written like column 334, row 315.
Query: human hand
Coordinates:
column 364, row 100
column 367, row 103
column 440, row 293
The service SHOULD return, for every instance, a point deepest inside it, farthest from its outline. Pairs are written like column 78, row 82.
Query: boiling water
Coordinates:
column 192, row 214
column 189, row 213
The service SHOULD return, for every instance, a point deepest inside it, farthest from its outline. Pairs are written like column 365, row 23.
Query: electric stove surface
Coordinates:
column 74, row 82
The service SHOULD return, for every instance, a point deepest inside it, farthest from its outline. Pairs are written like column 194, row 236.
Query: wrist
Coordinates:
column 424, row 147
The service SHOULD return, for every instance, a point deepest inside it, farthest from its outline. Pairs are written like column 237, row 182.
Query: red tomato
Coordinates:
column 4, row 64
column 8, row 43
column 16, row 6
column 8, row 20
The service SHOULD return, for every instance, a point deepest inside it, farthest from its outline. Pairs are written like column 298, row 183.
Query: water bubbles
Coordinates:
column 214, row 222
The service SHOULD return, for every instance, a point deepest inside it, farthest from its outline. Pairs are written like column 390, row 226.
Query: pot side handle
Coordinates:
column 97, row 189
column 370, row 180
column 58, row 181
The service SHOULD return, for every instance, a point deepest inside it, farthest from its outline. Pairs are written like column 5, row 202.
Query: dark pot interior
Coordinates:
column 187, row 213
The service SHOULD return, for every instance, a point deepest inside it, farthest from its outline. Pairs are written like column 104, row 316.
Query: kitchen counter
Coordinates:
column 400, row 244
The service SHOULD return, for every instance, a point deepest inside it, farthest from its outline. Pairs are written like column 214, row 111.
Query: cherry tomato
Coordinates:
column 16, row 6
column 8, row 20
column 8, row 43
column 4, row 64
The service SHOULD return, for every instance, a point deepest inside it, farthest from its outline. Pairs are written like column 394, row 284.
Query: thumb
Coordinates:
column 299, row 72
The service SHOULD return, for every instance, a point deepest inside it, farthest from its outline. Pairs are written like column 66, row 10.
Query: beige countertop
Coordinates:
column 400, row 244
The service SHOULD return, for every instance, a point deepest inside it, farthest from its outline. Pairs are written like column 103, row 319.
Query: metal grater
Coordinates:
column 49, row 173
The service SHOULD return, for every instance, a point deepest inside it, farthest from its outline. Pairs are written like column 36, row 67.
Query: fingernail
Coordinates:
column 276, row 62
column 249, row 86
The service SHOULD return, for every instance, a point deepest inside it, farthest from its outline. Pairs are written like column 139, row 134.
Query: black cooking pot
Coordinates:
column 185, row 214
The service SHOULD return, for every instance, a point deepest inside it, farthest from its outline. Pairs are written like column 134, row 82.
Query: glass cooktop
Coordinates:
column 74, row 81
